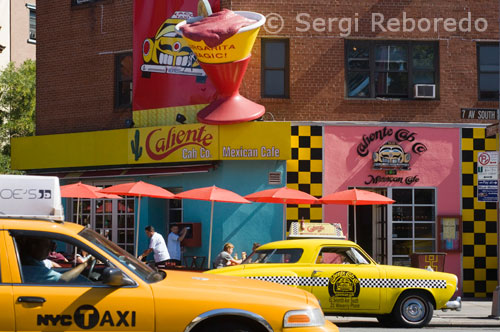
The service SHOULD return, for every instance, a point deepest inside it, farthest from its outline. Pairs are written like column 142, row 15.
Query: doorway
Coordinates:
column 371, row 227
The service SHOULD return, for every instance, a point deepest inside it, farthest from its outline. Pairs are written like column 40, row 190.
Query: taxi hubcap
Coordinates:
column 414, row 310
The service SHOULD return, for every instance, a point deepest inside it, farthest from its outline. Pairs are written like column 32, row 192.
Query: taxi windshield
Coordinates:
column 273, row 256
column 133, row 264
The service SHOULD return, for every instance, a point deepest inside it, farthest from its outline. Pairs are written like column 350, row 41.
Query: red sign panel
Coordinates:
column 166, row 71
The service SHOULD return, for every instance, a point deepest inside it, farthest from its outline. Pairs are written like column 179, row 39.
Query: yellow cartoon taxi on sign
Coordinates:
column 168, row 53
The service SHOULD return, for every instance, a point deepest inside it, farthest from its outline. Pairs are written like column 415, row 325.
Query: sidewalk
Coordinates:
column 473, row 314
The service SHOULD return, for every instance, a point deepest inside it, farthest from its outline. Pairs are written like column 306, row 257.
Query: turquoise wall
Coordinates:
column 240, row 224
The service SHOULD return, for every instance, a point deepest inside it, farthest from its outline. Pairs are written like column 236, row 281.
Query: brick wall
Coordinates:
column 317, row 59
column 76, row 46
column 75, row 64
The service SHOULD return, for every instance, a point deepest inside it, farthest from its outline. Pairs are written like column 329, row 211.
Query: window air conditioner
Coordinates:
column 425, row 91
column 79, row 2
column 32, row 35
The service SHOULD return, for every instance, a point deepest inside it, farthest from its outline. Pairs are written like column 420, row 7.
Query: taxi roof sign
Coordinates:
column 316, row 230
column 28, row 196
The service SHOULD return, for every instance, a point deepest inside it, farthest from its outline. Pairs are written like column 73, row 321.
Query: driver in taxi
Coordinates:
column 33, row 252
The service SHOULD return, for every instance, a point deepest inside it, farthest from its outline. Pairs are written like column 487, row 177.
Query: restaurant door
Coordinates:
column 371, row 227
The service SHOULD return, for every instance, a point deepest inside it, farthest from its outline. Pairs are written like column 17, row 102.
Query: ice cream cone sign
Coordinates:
column 222, row 43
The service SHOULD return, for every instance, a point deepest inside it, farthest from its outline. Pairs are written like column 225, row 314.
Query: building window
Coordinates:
column 275, row 68
column 112, row 218
column 413, row 226
column 32, row 23
column 123, row 80
column 389, row 69
column 487, row 63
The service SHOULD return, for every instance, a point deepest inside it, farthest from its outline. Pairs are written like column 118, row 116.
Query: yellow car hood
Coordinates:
column 225, row 288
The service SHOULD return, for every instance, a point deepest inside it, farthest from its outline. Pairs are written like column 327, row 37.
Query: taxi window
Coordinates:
column 273, row 256
column 340, row 255
column 53, row 259
column 133, row 264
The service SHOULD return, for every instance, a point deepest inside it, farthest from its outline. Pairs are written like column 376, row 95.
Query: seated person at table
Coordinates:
column 225, row 257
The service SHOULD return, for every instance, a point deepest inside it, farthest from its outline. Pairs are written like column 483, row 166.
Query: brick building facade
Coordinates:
column 101, row 30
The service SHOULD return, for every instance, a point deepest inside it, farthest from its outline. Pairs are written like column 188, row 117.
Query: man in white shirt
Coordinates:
column 174, row 243
column 157, row 246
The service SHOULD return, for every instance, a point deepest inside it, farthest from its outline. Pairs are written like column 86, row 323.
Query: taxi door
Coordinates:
column 76, row 307
column 345, row 286
column 6, row 296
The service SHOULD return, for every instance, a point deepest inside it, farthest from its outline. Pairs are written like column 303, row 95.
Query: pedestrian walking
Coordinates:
column 157, row 246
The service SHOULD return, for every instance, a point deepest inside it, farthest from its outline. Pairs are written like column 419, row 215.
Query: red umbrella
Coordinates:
column 213, row 194
column 80, row 190
column 283, row 195
column 138, row 189
column 355, row 197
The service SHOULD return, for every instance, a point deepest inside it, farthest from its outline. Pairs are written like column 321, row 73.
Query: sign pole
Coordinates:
column 495, row 306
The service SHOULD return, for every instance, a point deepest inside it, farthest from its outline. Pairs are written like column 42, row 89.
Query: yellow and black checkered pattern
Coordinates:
column 305, row 172
column 479, row 221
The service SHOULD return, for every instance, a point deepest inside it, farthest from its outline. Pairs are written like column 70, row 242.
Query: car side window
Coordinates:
column 340, row 255
column 275, row 256
column 51, row 260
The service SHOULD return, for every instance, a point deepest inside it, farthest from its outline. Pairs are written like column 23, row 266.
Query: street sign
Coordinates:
column 479, row 113
column 487, row 176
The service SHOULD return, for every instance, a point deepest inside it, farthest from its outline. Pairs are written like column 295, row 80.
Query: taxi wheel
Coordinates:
column 413, row 309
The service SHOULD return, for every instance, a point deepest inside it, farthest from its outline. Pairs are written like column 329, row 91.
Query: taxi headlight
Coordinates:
column 300, row 318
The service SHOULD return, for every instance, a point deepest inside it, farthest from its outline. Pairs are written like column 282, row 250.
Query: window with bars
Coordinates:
column 275, row 68
column 389, row 69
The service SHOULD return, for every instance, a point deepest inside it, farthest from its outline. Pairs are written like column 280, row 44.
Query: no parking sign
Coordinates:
column 487, row 176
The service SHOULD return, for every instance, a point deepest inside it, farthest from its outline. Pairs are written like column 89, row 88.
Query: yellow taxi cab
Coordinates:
column 348, row 282
column 110, row 290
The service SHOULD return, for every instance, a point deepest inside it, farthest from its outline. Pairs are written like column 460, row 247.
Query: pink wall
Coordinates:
column 438, row 167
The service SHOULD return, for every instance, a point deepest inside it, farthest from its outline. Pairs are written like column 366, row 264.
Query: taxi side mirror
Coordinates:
column 114, row 277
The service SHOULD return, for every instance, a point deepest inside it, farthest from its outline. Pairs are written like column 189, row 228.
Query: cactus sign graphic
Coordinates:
column 136, row 149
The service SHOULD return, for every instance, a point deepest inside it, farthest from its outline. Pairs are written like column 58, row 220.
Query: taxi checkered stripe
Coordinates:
column 293, row 281
column 364, row 283
column 401, row 283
